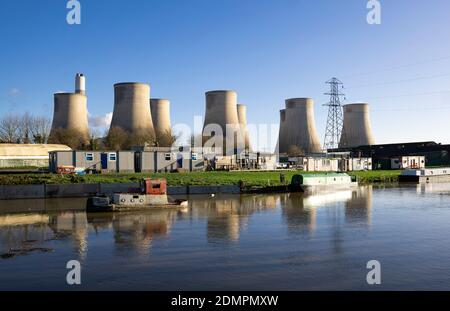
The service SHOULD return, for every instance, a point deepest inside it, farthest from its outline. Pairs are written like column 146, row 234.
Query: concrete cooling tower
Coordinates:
column 160, row 110
column 300, row 126
column 132, row 109
column 242, row 116
column 221, row 110
column 282, row 139
column 357, row 130
column 70, row 113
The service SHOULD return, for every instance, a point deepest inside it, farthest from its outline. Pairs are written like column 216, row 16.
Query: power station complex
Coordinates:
column 225, row 123
column 225, row 130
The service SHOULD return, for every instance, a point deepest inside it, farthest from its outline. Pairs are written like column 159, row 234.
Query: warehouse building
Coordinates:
column 27, row 155
column 389, row 156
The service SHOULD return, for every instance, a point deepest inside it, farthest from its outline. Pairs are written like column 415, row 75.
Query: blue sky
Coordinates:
column 266, row 50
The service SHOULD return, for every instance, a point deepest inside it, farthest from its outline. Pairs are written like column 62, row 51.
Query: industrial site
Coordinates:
column 224, row 154
column 141, row 140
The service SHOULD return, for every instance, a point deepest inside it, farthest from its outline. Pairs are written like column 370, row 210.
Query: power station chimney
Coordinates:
column 357, row 130
column 80, row 84
column 160, row 110
column 282, row 134
column 132, row 109
column 242, row 117
column 221, row 115
column 70, row 114
column 301, row 133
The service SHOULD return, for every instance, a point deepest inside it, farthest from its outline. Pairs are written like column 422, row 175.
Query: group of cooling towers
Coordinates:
column 136, row 113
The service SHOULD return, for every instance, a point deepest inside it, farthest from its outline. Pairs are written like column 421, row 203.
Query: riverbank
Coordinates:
column 243, row 179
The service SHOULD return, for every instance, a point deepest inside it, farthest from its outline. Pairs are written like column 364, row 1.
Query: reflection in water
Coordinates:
column 135, row 231
column 440, row 188
column 226, row 217
column 358, row 208
column 290, row 241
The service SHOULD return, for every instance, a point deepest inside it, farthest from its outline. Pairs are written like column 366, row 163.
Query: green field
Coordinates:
column 195, row 178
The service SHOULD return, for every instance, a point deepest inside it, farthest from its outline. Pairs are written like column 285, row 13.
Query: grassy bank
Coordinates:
column 184, row 179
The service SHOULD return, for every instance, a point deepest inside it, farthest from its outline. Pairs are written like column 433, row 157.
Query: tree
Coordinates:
column 69, row 137
column 24, row 130
column 295, row 151
column 9, row 129
column 142, row 139
column 167, row 139
column 40, row 129
column 117, row 138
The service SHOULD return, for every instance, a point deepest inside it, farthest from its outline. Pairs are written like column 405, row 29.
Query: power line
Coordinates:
column 415, row 109
column 400, row 81
column 409, row 95
column 399, row 67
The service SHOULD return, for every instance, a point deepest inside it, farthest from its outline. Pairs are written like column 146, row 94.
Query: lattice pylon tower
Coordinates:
column 335, row 120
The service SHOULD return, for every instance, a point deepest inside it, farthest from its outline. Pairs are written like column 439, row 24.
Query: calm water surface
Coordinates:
column 248, row 242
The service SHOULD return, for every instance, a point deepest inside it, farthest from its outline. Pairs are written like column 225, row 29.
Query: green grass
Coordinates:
column 248, row 179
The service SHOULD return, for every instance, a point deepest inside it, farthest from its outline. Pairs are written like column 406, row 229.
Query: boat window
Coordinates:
column 194, row 156
column 168, row 157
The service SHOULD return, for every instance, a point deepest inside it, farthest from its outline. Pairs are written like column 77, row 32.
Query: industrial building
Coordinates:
column 245, row 161
column 331, row 163
column 385, row 155
column 160, row 111
column 147, row 160
column 70, row 111
column 298, row 132
column 27, row 155
column 221, row 115
column 132, row 109
column 357, row 129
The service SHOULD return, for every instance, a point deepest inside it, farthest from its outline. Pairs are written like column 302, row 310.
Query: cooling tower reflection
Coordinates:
column 226, row 218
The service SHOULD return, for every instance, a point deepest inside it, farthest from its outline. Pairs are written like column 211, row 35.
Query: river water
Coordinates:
column 235, row 242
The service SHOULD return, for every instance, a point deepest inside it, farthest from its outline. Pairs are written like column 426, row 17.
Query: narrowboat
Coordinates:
column 151, row 194
column 326, row 181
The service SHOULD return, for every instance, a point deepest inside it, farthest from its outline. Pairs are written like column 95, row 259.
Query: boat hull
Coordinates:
column 103, row 204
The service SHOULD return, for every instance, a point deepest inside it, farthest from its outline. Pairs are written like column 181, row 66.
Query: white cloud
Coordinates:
column 100, row 121
column 14, row 92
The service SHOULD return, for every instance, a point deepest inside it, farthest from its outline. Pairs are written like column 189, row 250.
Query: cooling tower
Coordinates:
column 132, row 109
column 300, row 129
column 242, row 117
column 282, row 139
column 160, row 110
column 357, row 130
column 80, row 84
column 221, row 110
column 70, row 112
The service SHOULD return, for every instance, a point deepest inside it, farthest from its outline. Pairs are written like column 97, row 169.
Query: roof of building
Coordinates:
column 29, row 150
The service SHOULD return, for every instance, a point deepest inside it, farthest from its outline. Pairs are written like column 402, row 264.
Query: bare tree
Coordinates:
column 24, row 130
column 295, row 151
column 9, row 129
column 40, row 129
column 167, row 139
column 142, row 139
column 69, row 137
column 117, row 138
